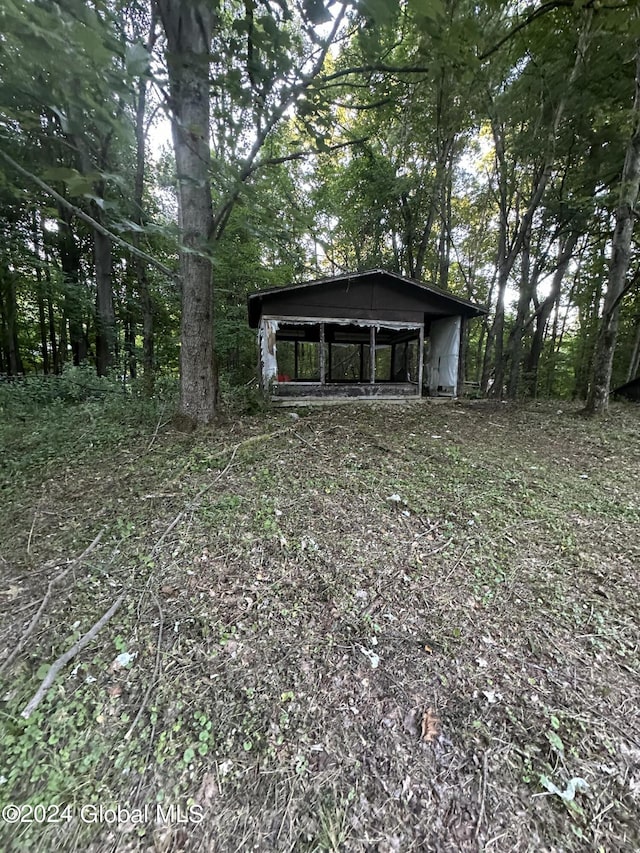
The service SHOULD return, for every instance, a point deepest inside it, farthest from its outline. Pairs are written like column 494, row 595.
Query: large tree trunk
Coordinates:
column 598, row 397
column 528, row 281
column 188, row 28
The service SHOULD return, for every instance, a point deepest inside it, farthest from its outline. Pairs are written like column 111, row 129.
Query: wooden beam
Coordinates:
column 372, row 355
column 420, row 359
column 321, row 345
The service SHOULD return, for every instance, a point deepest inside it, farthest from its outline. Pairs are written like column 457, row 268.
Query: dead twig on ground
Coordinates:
column 483, row 794
column 194, row 503
column 156, row 670
column 155, row 433
column 309, row 444
column 451, row 572
column 64, row 659
column 52, row 584
column 438, row 549
column 33, row 523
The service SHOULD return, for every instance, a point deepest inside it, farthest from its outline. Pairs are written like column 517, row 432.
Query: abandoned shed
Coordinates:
column 630, row 390
column 360, row 335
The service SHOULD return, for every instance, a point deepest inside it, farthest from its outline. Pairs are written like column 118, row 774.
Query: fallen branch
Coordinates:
column 36, row 617
column 33, row 523
column 64, row 659
column 155, row 434
column 483, row 794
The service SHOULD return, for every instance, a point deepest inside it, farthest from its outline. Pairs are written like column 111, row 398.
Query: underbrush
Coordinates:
column 47, row 421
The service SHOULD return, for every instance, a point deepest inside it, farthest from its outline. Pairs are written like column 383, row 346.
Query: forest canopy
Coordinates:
column 491, row 149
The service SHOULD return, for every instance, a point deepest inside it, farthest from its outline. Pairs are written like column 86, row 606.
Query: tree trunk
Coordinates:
column 598, row 397
column 52, row 330
column 588, row 324
column 50, row 311
column 130, row 363
column 528, row 283
column 105, row 312
column 188, row 28
column 44, row 343
column 73, row 296
column 444, row 243
column 544, row 313
column 8, row 314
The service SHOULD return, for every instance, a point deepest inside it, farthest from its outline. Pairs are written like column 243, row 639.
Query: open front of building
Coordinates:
column 361, row 335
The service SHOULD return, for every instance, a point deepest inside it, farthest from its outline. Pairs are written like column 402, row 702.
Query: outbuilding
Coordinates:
column 630, row 390
column 361, row 334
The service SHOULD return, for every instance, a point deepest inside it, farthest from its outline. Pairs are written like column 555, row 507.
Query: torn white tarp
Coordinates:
column 444, row 356
column 268, row 361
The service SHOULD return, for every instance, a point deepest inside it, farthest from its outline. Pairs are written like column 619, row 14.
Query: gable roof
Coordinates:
column 457, row 304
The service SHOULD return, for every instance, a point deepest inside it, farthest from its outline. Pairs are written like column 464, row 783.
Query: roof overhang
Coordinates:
column 258, row 303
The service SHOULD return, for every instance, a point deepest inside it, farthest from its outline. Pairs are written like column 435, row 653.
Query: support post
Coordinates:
column 372, row 355
column 459, row 389
column 420, row 359
column 295, row 361
column 321, row 345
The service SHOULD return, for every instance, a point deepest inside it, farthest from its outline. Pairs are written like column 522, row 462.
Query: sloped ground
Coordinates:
column 367, row 628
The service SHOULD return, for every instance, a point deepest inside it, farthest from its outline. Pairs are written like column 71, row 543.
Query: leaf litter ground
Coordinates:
column 360, row 628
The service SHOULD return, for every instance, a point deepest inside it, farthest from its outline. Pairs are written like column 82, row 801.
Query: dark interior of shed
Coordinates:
column 347, row 354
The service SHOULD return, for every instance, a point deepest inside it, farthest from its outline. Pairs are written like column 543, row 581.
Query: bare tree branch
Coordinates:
column 52, row 583
column 86, row 218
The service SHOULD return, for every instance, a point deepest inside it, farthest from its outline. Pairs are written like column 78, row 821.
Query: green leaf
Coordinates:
column 42, row 671
column 79, row 185
column 59, row 173
column 137, row 60
column 555, row 741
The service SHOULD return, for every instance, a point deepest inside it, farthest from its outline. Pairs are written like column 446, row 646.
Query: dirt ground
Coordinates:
column 356, row 628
